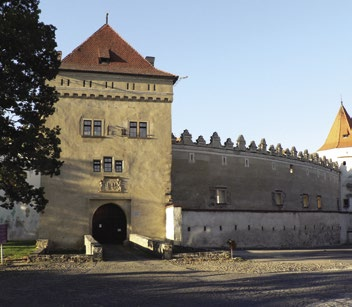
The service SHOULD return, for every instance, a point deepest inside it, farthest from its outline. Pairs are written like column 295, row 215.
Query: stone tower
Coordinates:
column 115, row 117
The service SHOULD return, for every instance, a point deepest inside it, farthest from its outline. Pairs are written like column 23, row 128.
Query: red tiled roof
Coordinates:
column 340, row 135
column 107, row 51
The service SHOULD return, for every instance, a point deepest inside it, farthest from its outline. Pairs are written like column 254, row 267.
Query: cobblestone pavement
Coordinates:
column 131, row 278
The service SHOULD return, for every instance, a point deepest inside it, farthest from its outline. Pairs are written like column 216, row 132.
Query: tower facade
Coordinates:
column 115, row 117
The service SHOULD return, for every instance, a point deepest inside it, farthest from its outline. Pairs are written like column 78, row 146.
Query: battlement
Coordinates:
column 262, row 148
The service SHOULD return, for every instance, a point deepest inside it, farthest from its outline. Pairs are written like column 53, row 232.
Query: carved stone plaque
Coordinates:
column 112, row 185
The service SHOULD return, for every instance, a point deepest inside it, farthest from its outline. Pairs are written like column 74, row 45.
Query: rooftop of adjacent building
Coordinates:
column 340, row 132
column 106, row 51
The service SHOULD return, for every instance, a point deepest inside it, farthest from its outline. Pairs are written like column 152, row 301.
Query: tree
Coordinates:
column 28, row 59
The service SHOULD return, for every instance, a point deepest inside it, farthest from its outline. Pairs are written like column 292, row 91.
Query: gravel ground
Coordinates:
column 216, row 262
column 223, row 263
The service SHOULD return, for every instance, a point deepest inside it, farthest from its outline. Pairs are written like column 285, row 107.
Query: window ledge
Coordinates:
column 93, row 137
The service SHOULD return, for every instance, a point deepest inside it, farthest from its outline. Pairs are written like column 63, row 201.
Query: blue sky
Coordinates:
column 273, row 69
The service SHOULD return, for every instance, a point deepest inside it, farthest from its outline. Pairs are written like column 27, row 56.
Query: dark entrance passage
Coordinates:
column 109, row 224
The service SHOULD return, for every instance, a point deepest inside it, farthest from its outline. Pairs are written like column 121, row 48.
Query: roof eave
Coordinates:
column 174, row 78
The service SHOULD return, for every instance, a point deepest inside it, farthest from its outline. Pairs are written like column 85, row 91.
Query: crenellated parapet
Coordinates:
column 261, row 148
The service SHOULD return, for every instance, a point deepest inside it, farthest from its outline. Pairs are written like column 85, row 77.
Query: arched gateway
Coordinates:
column 109, row 224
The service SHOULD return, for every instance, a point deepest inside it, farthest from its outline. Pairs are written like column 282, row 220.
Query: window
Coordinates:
column 87, row 127
column 92, row 127
column 346, row 202
column 96, row 166
column 278, row 197
column 133, row 129
column 138, row 129
column 142, row 129
column 104, row 60
column 118, row 166
column 305, row 200
column 107, row 164
column 97, row 128
column 219, row 196
column 319, row 202
column 191, row 157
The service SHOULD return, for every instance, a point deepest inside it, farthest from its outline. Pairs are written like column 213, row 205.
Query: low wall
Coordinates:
column 93, row 248
column 157, row 247
column 263, row 229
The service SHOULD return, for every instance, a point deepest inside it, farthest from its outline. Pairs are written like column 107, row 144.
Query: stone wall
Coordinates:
column 260, row 196
column 263, row 229
column 22, row 220
column 251, row 178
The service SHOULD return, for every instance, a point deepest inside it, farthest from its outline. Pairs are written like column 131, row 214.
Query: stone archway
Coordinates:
column 109, row 224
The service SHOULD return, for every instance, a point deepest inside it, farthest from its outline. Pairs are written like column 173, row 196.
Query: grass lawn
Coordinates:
column 17, row 249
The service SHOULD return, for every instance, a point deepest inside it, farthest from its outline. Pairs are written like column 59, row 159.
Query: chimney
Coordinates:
column 150, row 59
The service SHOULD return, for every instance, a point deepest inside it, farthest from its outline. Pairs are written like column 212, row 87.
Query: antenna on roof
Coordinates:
column 341, row 100
column 107, row 18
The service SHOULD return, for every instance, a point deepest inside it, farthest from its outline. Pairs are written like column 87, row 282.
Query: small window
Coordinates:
column 96, row 166
column 97, row 128
column 104, row 60
column 319, row 202
column 143, row 129
column 133, row 129
column 246, row 162
column 273, row 166
column 107, row 164
column 87, row 127
column 191, row 157
column 346, row 203
column 278, row 197
column 305, row 200
column 219, row 196
column 118, row 166
column 224, row 160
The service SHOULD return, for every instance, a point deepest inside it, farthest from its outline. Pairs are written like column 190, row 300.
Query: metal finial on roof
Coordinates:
column 341, row 101
column 107, row 18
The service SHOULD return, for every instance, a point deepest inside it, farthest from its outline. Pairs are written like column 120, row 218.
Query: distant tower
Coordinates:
column 338, row 147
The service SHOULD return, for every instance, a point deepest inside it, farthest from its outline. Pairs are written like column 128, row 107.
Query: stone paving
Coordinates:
column 131, row 278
